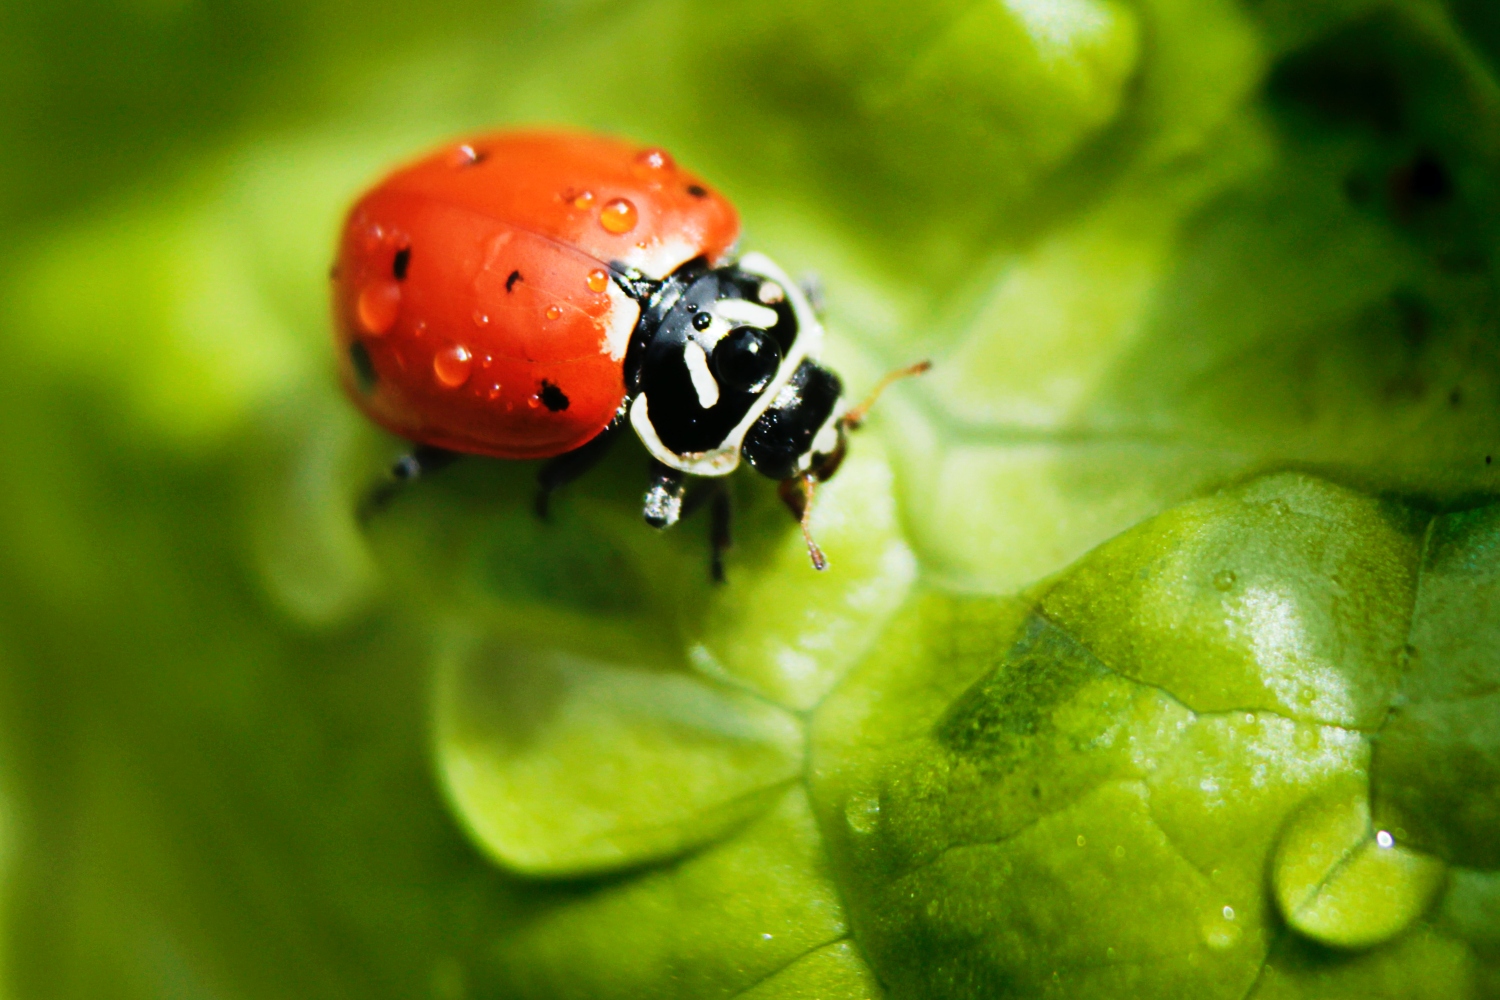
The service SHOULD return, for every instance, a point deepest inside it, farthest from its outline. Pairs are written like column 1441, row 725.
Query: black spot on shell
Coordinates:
column 697, row 191
column 401, row 263
column 364, row 368
column 510, row 282
column 553, row 398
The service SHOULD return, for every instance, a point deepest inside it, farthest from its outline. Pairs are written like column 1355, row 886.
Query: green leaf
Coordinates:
column 561, row 765
column 1086, row 796
column 713, row 925
column 1154, row 609
column 1437, row 764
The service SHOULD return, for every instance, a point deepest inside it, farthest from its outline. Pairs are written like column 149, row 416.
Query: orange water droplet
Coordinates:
column 481, row 319
column 418, row 330
column 486, row 361
column 583, row 200
column 378, row 306
column 533, row 402
column 597, row 280
column 494, row 392
column 554, row 311
column 466, row 156
column 451, row 366
column 653, row 162
column 618, row 216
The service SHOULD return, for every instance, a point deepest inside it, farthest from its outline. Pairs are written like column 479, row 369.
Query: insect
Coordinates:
column 527, row 295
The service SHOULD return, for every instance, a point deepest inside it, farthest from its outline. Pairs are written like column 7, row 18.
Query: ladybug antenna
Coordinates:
column 797, row 494
column 855, row 418
column 819, row 560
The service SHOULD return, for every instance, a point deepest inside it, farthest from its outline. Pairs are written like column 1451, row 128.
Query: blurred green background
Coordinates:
column 1156, row 248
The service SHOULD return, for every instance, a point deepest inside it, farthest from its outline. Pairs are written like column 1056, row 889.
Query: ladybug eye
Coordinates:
column 746, row 359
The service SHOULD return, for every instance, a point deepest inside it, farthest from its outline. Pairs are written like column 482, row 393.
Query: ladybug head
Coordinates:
column 723, row 365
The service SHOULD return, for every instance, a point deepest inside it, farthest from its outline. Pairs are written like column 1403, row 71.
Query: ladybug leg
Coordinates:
column 423, row 459
column 716, row 494
column 562, row 470
column 663, row 504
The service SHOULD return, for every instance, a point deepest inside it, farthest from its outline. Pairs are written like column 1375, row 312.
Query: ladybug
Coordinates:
column 527, row 295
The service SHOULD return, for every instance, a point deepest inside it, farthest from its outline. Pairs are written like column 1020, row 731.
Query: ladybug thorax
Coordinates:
column 723, row 364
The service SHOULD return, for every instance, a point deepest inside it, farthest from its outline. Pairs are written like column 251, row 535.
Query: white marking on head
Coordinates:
column 738, row 312
column 703, row 379
column 719, row 462
column 827, row 438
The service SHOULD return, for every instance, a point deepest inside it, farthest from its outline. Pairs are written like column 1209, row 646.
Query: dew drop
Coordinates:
column 1224, row 580
column 466, row 156
column 418, row 330
column 653, row 163
column 618, row 216
column 494, row 393
column 597, row 280
column 378, row 306
column 452, row 365
column 1228, row 913
column 481, row 319
column 486, row 361
column 1384, row 839
column 554, row 311
column 1082, row 840
column 583, row 200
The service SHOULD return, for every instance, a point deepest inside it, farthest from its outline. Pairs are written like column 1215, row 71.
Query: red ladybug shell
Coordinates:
column 472, row 296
